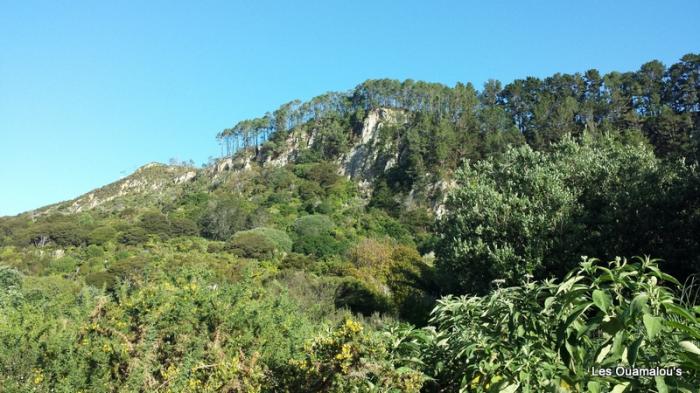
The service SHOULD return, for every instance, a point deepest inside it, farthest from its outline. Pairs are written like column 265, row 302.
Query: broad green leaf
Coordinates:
column 593, row 387
column 690, row 347
column 603, row 353
column 548, row 302
column 653, row 325
column 576, row 312
column 633, row 350
column 639, row 303
column 686, row 329
column 679, row 311
column 565, row 286
column 619, row 388
column 617, row 347
column 613, row 325
column 510, row 388
column 602, row 300
column 661, row 384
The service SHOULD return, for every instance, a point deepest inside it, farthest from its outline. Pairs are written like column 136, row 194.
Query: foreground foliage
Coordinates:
column 188, row 331
column 248, row 276
column 547, row 336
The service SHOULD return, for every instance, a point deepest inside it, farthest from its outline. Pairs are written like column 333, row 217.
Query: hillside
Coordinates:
column 397, row 237
column 149, row 185
column 366, row 159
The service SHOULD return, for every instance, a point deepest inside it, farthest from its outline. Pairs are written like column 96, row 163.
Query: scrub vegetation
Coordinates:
column 399, row 237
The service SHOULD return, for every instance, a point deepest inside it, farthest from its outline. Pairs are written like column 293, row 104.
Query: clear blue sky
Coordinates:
column 89, row 91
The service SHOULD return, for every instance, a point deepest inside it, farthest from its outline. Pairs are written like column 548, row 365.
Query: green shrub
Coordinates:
column 131, row 269
column 261, row 243
column 347, row 359
column 101, row 280
column 384, row 198
column 280, row 238
column 331, row 139
column 310, row 192
column 379, row 223
column 183, row 227
column 95, row 264
column 65, row 264
column 530, row 212
column 224, row 217
column 543, row 336
column 325, row 174
column 133, row 236
column 94, row 251
column 155, row 223
column 400, row 269
column 9, row 278
column 62, row 230
column 306, row 156
column 314, row 236
column 102, row 235
column 296, row 261
column 215, row 247
column 361, row 297
column 413, row 285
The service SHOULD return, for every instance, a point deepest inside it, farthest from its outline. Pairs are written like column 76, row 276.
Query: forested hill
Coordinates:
column 399, row 237
column 657, row 102
column 401, row 141
column 407, row 138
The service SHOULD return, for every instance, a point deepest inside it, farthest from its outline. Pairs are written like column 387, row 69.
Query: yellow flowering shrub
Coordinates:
column 349, row 359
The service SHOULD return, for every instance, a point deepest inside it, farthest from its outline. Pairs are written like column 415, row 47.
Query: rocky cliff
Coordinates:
column 368, row 157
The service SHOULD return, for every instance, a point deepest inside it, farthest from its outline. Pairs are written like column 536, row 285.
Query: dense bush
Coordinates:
column 9, row 278
column 362, row 297
column 324, row 174
column 531, row 212
column 176, row 332
column 133, row 236
column 348, row 359
column 261, row 243
column 101, row 280
column 102, row 235
column 296, row 261
column 65, row 264
column 183, row 227
column 93, row 251
column 547, row 336
column 224, row 217
column 155, row 223
column 314, row 235
column 394, row 279
column 62, row 230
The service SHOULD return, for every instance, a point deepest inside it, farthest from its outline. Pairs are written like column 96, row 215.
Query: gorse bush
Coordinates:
column 176, row 332
column 391, row 278
column 348, row 359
